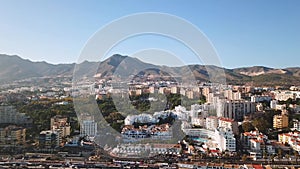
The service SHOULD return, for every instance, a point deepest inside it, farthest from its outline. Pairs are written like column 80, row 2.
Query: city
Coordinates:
column 199, row 126
column 150, row 84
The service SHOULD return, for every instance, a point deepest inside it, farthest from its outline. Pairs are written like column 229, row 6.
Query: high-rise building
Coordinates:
column 60, row 122
column 50, row 139
column 225, row 139
column 280, row 121
column 88, row 128
column 236, row 109
column 229, row 123
column 211, row 123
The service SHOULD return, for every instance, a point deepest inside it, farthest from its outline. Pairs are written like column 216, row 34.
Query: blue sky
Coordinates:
column 244, row 33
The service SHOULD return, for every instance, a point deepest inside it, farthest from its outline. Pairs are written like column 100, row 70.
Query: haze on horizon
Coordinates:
column 248, row 33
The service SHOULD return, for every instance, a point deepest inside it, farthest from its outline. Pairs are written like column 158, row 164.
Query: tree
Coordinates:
column 261, row 124
column 247, row 126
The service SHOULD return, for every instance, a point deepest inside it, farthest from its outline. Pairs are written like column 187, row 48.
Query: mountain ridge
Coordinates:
column 13, row 67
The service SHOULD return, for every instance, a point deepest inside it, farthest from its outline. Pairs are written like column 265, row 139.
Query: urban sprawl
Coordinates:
column 221, row 126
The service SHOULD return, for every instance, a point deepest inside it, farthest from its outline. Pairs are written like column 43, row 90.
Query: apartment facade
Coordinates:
column 12, row 135
column 280, row 121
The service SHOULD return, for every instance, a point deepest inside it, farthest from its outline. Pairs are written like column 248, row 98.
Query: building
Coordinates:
column 280, row 121
column 9, row 115
column 211, row 123
column 225, row 139
column 60, row 122
column 296, row 125
column 258, row 99
column 256, row 142
column 50, row 139
column 285, row 95
column 273, row 104
column 12, row 135
column 190, row 94
column 141, row 118
column 131, row 134
column 236, row 109
column 88, row 128
column 231, row 95
column 175, row 90
column 206, row 91
column 229, row 123
column 139, row 150
column 162, row 132
column 280, row 107
column 291, row 138
column 203, row 110
column 152, row 89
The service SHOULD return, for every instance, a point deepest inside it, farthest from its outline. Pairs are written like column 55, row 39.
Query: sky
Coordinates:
column 243, row 33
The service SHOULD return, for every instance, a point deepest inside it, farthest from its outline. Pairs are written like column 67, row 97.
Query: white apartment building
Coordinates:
column 225, row 139
column 127, row 150
column 229, row 123
column 212, row 123
column 258, row 99
column 296, row 125
column 198, row 121
column 88, row 128
column 202, row 110
column 141, row 118
column 236, row 109
column 286, row 94
column 291, row 138
column 273, row 104
column 182, row 113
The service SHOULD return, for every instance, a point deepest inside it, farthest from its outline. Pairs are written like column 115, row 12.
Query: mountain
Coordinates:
column 15, row 68
column 261, row 70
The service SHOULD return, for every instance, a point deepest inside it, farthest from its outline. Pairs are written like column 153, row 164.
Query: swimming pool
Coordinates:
column 198, row 139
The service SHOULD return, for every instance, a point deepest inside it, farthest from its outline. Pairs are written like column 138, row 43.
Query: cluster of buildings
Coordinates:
column 290, row 138
column 12, row 136
column 161, row 132
column 164, row 87
column 13, row 130
column 146, row 150
column 283, row 95
column 53, row 138
column 256, row 143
